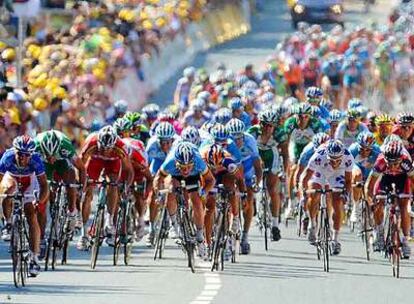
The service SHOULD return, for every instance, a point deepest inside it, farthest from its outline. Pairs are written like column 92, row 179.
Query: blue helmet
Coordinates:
column 366, row 139
column 223, row 115
column 326, row 103
column 314, row 93
column 335, row 116
column 320, row 138
column 354, row 103
column 219, row 133
column 164, row 130
column 184, row 153
column 235, row 127
column 236, row 103
column 24, row 144
column 191, row 135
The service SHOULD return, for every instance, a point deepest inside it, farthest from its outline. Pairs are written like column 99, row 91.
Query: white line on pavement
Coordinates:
column 212, row 285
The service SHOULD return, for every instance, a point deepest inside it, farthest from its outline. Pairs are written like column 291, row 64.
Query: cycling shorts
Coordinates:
column 271, row 160
column 55, row 171
column 350, row 81
column 95, row 166
column 192, row 181
column 401, row 181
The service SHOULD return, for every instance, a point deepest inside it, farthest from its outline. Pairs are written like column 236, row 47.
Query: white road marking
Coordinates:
column 212, row 285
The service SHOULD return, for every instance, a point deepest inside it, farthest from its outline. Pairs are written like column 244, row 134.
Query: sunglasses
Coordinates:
column 335, row 161
column 407, row 127
column 185, row 167
column 23, row 154
column 267, row 124
column 366, row 149
column 304, row 116
column 353, row 119
column 394, row 162
column 165, row 142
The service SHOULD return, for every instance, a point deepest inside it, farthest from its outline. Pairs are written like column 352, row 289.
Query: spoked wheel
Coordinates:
column 127, row 253
column 50, row 242
column 217, row 244
column 265, row 223
column 160, row 236
column 117, row 238
column 65, row 248
column 396, row 254
column 17, row 257
column 190, row 256
column 326, row 249
column 366, row 231
column 299, row 221
column 235, row 247
column 97, row 227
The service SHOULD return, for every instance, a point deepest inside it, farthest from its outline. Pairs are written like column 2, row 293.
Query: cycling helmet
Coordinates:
column 267, row 97
column 366, row 139
column 236, row 103
column 24, row 144
column 133, row 117
column 303, row 108
column 50, row 143
column 222, row 116
column 95, row 126
column 197, row 105
column 167, row 116
column 319, row 138
column 335, row 149
column 335, row 116
column 219, row 133
column 314, row 93
column 208, row 125
column 405, row 118
column 289, row 102
column 189, row 72
column 164, row 130
column 391, row 138
column 204, row 95
column 281, row 111
column 267, row 116
column 363, row 110
column 371, row 117
column 241, row 80
column 184, row 153
column 393, row 151
column 250, row 85
column 354, row 103
column 106, row 137
column 383, row 119
column 151, row 111
column 315, row 111
column 235, row 127
column 353, row 113
column 215, row 155
column 121, row 106
column 326, row 103
column 122, row 125
column 191, row 135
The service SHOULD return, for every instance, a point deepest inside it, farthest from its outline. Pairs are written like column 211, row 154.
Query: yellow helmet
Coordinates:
column 59, row 92
column 40, row 104
column 384, row 119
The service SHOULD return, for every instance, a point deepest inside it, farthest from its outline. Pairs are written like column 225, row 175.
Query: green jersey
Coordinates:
column 66, row 148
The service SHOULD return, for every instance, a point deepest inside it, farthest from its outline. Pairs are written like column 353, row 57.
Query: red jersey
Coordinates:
column 136, row 151
column 119, row 151
column 408, row 144
column 381, row 166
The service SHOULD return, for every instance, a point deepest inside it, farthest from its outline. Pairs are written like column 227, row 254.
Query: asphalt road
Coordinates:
column 288, row 273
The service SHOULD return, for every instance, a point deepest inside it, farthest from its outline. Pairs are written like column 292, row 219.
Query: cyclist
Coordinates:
column 348, row 130
column 365, row 152
column 120, row 108
column 269, row 153
column 226, row 171
column 60, row 160
column 138, row 129
column 393, row 166
column 331, row 166
column 191, row 135
column 384, row 124
column 335, row 117
column 150, row 114
column 184, row 163
column 404, row 128
column 196, row 116
column 21, row 167
column 182, row 91
column 157, row 149
column 237, row 107
column 103, row 153
column 247, row 146
column 352, row 78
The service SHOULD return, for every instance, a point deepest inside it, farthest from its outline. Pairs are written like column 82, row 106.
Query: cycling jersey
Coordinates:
column 116, row 153
column 8, row 164
column 249, row 154
column 324, row 174
column 169, row 167
column 66, row 149
column 408, row 144
column 346, row 136
column 306, row 154
column 364, row 164
column 246, row 119
column 155, row 155
column 269, row 152
column 231, row 147
column 136, row 152
column 191, row 120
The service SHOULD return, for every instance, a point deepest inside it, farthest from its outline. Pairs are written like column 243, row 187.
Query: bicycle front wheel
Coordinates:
column 16, row 255
column 217, row 243
column 97, row 227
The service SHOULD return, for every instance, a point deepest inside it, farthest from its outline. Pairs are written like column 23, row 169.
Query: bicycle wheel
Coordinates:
column 51, row 238
column 299, row 221
column 128, row 222
column 366, row 230
column 396, row 253
column 160, row 234
column 188, row 242
column 16, row 249
column 65, row 248
column 117, row 238
column 265, row 219
column 326, row 242
column 235, row 246
column 97, row 227
column 217, row 243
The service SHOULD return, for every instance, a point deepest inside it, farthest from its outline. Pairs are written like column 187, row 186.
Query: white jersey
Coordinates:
column 324, row 174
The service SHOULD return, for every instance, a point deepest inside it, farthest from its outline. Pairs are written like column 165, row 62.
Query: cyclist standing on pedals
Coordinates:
column 157, row 149
column 142, row 174
column 349, row 129
column 60, row 160
column 103, row 153
column 252, row 170
column 301, row 127
column 365, row 152
column 384, row 124
column 330, row 167
column 264, row 133
column 184, row 163
column 21, row 166
column 226, row 172
column 393, row 166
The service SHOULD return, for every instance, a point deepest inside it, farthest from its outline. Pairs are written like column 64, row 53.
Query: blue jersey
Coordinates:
column 169, row 166
column 365, row 164
column 249, row 154
column 8, row 164
column 231, row 148
column 306, row 155
column 246, row 119
column 155, row 155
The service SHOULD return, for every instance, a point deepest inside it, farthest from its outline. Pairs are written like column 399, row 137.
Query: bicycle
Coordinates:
column 264, row 213
column 96, row 230
column 324, row 230
column 223, row 236
column 187, row 239
column 59, row 235
column 162, row 227
column 124, row 229
column 19, row 243
column 365, row 221
column 392, row 216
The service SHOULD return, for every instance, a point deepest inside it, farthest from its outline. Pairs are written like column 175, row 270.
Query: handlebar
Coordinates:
column 324, row 191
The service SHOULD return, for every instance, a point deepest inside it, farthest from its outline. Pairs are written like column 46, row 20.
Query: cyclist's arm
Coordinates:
column 369, row 186
column 305, row 178
column 158, row 180
column 348, row 181
column 44, row 188
column 86, row 154
column 80, row 165
column 240, row 181
column 298, row 174
column 258, row 170
column 126, row 163
column 209, row 180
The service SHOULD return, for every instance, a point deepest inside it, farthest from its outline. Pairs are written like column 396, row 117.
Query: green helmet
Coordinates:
column 50, row 142
column 122, row 125
column 133, row 117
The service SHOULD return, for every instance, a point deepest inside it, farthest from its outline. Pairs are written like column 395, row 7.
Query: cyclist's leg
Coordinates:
column 68, row 175
column 313, row 208
column 209, row 218
column 356, row 192
column 113, row 171
column 7, row 186
column 34, row 228
column 229, row 183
